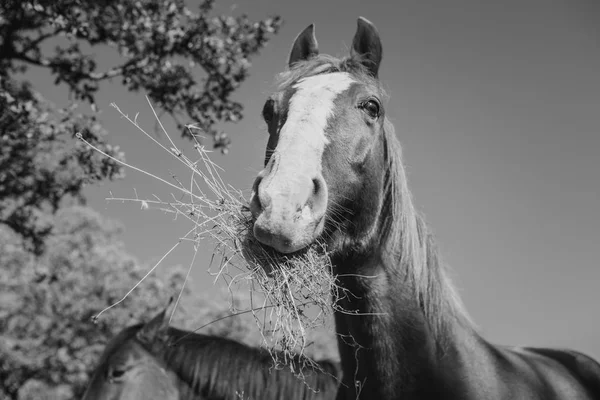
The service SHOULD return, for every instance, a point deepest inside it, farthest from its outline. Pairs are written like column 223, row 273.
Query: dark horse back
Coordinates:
column 584, row 368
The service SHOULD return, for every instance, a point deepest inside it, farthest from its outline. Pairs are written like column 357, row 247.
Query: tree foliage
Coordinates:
column 42, row 166
column 163, row 46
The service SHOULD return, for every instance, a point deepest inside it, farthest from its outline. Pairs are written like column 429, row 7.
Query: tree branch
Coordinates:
column 93, row 76
column 111, row 73
column 41, row 37
column 40, row 62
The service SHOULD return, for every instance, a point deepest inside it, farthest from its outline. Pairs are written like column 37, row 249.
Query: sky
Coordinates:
column 497, row 106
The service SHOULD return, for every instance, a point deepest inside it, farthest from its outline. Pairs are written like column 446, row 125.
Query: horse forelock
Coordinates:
column 326, row 64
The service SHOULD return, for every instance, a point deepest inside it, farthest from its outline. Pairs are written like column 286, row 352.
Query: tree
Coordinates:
column 161, row 44
column 42, row 167
column 188, row 63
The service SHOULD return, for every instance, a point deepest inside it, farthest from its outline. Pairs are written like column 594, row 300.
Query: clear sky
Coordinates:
column 497, row 105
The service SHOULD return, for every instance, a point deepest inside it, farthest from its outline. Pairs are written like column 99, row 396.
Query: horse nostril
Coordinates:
column 318, row 200
column 256, row 204
column 256, row 184
column 257, row 201
column 316, row 186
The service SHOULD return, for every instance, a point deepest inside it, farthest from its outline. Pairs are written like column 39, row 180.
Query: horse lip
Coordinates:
column 280, row 245
column 290, row 250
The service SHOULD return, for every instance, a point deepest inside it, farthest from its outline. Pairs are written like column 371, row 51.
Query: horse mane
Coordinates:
column 221, row 368
column 406, row 236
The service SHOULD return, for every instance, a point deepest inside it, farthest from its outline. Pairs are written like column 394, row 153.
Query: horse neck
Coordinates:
column 185, row 390
column 182, row 389
column 249, row 375
column 163, row 350
column 409, row 319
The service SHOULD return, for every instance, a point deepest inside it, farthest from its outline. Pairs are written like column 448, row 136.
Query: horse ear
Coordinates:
column 367, row 45
column 157, row 326
column 305, row 46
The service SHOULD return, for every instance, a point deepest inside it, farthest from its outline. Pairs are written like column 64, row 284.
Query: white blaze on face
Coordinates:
column 309, row 110
column 302, row 139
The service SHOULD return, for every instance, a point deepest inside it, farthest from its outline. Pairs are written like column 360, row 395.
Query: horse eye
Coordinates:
column 371, row 107
column 268, row 110
column 115, row 374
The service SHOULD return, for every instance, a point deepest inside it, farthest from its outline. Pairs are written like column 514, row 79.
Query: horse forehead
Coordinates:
column 334, row 83
column 312, row 103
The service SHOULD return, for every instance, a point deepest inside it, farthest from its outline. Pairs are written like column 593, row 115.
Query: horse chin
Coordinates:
column 266, row 258
column 292, row 248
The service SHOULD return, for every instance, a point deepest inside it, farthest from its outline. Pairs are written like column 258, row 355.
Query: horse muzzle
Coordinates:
column 288, row 213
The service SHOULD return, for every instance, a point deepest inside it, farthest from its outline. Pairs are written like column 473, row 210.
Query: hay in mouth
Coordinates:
column 293, row 291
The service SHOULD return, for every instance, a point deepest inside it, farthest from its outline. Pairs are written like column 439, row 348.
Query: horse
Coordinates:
column 153, row 361
column 333, row 173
